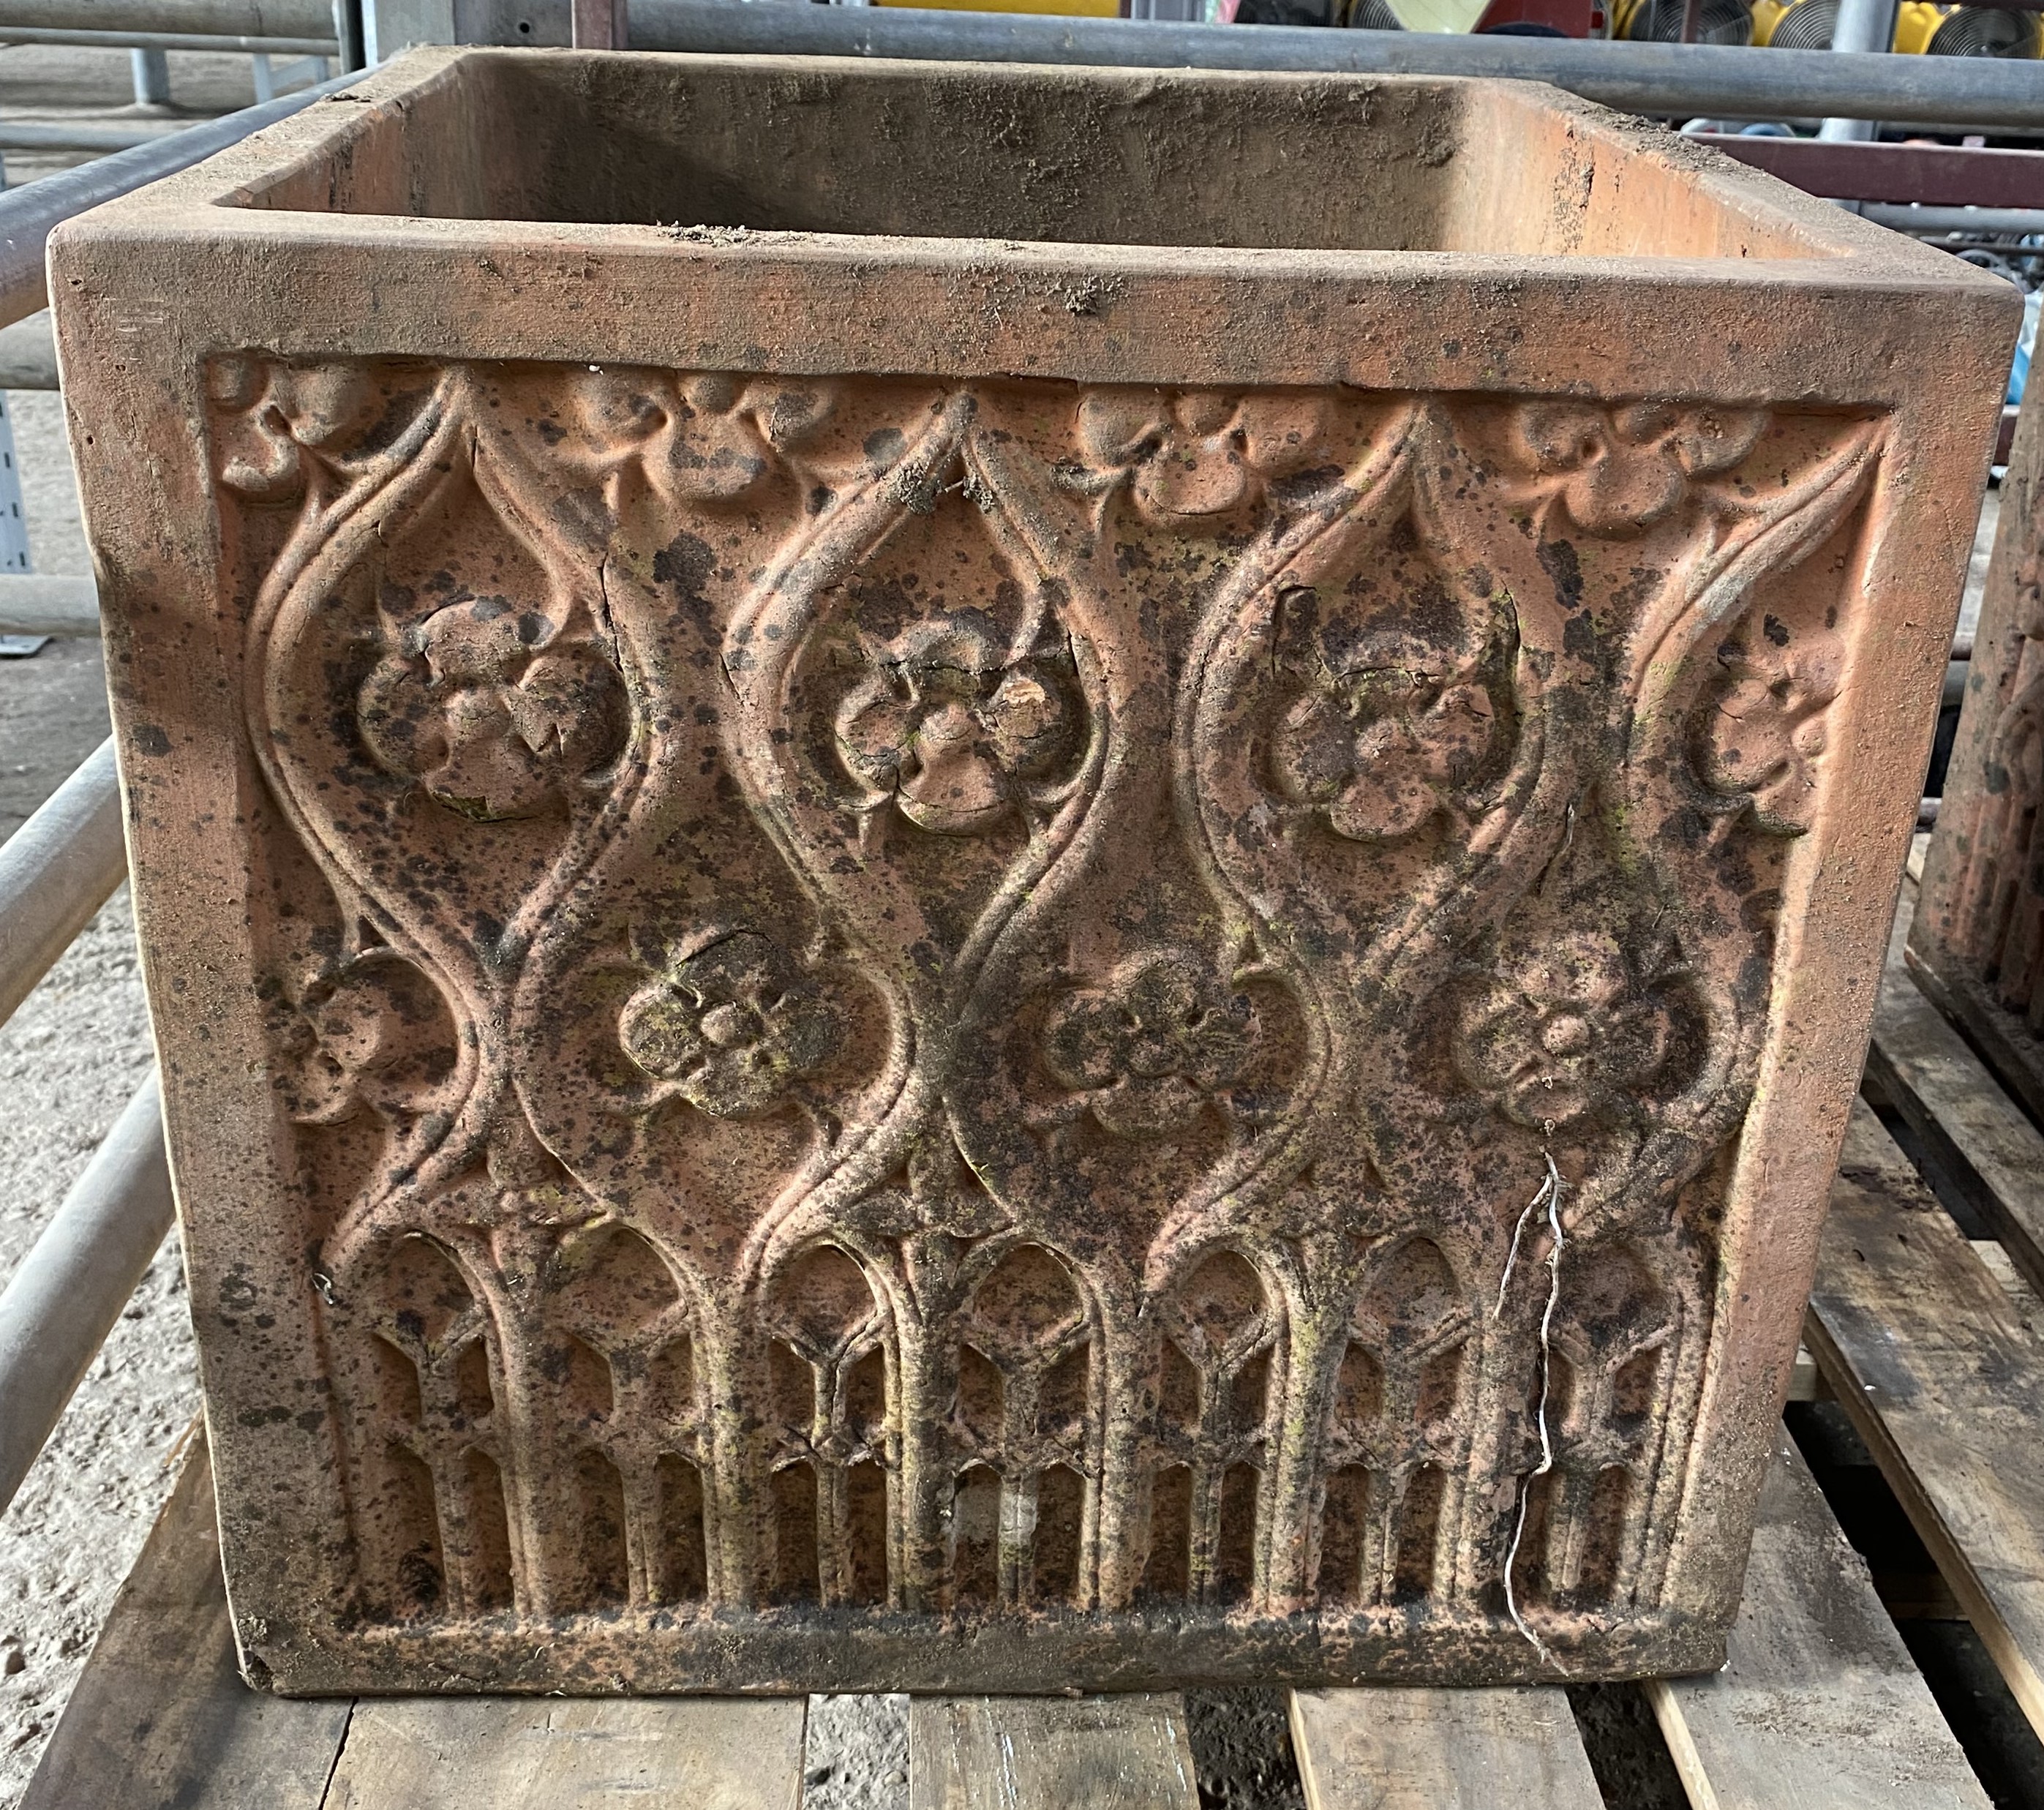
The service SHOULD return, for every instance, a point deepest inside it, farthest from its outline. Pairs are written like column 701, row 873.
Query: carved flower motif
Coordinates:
column 1765, row 728
column 1201, row 452
column 951, row 728
column 370, row 1031
column 1622, row 469
column 491, row 710
column 1563, row 1032
column 692, row 439
column 1151, row 1047
column 733, row 1024
column 270, row 418
column 1382, row 749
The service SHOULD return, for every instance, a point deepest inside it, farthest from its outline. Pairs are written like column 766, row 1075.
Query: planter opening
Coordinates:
column 1092, row 156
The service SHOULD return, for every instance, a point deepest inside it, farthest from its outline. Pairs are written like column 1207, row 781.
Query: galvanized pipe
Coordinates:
column 65, row 134
column 230, row 18
column 55, row 872
column 1719, row 81
column 28, row 361
column 34, row 603
column 1906, row 218
column 27, row 214
column 172, row 40
column 1862, row 25
column 65, row 1296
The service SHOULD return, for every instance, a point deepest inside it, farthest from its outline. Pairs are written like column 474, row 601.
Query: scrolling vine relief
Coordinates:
column 941, row 999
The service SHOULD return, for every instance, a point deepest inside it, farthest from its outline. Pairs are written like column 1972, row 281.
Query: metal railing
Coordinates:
column 1683, row 79
column 55, row 872
column 65, row 861
column 87, row 39
column 28, row 215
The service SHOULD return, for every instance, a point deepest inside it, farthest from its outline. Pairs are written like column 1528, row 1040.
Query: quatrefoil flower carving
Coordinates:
column 1765, row 730
column 733, row 1025
column 273, row 421
column 1151, row 1048
column 1382, row 748
column 1563, row 1032
column 1202, row 452
column 687, row 438
column 952, row 729
column 493, row 710
column 369, row 1032
column 1618, row 471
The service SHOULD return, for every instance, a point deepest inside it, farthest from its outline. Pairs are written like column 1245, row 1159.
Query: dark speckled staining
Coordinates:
column 914, row 1007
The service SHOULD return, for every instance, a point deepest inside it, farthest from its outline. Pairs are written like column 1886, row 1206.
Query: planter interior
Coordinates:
column 1004, row 879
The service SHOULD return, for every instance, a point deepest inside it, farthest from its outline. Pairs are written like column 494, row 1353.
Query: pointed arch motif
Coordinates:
column 1219, row 1395
column 829, row 1374
column 1027, row 1422
column 419, row 1384
column 1398, row 1436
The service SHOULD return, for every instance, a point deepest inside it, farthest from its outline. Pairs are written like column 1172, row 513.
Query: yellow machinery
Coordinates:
column 1921, row 29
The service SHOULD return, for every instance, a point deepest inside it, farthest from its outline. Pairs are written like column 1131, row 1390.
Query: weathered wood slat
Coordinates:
column 548, row 1752
column 1927, row 1354
column 1820, row 1706
column 160, row 1716
column 1511, row 1749
column 1012, row 1753
column 1980, row 1138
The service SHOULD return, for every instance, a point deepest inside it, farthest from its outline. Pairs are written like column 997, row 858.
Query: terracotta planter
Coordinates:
column 1977, row 942
column 872, row 923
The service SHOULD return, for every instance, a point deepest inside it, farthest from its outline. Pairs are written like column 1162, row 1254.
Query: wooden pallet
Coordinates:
column 1919, row 1333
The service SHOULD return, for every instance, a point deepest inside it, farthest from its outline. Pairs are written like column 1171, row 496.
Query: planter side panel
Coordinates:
column 889, row 1008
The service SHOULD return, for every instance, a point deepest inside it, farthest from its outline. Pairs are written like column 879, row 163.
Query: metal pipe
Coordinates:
column 171, row 41
column 35, row 603
column 232, row 18
column 1906, row 219
column 67, row 1293
column 28, row 361
column 55, row 872
column 61, row 135
column 28, row 213
column 1720, row 81
column 152, row 72
column 1864, row 26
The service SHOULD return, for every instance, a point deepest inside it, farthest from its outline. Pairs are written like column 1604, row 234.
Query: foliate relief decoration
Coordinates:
column 908, row 998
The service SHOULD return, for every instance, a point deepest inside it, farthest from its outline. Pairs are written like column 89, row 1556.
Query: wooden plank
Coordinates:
column 1979, row 1136
column 1394, row 1749
column 159, row 1715
column 1018, row 1753
column 1927, row 1354
column 550, row 1753
column 1820, row 1706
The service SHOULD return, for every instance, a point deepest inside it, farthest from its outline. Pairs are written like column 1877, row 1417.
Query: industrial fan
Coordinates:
column 1719, row 21
column 1985, row 31
column 1921, row 29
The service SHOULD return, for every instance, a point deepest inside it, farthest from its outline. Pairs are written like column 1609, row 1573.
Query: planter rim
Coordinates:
column 233, row 178
column 847, row 303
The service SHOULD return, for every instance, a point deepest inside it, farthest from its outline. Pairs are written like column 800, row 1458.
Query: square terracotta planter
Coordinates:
column 872, row 919
column 1977, row 942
